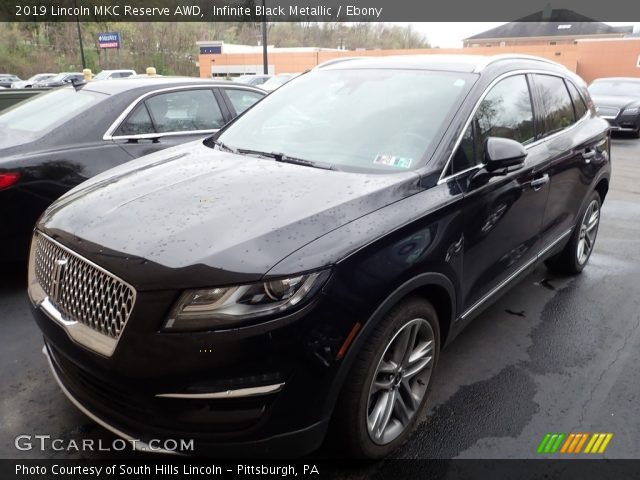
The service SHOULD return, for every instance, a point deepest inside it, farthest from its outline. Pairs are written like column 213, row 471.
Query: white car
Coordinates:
column 38, row 77
column 110, row 74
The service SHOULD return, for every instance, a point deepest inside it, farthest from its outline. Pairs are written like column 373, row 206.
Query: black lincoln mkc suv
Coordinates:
column 298, row 273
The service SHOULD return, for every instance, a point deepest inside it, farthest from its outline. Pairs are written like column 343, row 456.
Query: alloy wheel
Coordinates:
column 588, row 231
column 400, row 381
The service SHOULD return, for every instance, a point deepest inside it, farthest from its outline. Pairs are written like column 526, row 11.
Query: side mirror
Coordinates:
column 502, row 153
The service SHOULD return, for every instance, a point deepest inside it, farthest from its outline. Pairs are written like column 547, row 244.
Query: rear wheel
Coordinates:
column 575, row 255
column 387, row 388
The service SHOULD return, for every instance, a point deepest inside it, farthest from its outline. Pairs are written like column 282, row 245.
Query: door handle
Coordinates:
column 538, row 183
column 588, row 155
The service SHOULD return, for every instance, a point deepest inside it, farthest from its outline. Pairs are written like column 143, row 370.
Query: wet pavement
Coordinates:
column 554, row 354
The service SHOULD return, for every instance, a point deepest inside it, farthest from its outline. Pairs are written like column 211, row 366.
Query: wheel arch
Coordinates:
column 434, row 287
column 602, row 187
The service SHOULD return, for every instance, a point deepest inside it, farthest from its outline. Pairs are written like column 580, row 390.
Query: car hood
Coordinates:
column 613, row 101
column 192, row 216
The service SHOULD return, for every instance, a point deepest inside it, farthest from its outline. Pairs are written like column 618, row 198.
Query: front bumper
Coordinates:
column 267, row 393
column 291, row 444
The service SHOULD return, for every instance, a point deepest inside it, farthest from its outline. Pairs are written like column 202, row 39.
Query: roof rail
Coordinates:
column 333, row 61
column 513, row 56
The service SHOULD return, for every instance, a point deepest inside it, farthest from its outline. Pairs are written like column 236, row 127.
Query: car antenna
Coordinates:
column 78, row 84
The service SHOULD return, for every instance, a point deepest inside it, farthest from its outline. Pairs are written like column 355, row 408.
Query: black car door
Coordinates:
column 503, row 212
column 169, row 118
column 574, row 153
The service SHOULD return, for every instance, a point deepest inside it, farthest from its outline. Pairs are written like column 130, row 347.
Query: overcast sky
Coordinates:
column 451, row 34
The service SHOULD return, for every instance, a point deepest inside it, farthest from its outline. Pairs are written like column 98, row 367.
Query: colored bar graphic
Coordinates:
column 543, row 443
column 573, row 443
column 605, row 443
column 570, row 438
column 582, row 440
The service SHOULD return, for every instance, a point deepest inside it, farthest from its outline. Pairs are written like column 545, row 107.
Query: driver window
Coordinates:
column 505, row 112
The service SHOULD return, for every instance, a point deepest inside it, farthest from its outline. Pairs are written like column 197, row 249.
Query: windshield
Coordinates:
column 364, row 119
column 25, row 122
column 616, row 88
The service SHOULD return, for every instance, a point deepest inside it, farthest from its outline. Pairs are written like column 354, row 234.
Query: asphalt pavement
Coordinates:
column 554, row 354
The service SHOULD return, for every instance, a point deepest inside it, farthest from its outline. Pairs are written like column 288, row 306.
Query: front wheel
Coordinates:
column 575, row 255
column 387, row 388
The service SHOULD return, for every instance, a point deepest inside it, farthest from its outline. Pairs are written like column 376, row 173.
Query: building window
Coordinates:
column 552, row 43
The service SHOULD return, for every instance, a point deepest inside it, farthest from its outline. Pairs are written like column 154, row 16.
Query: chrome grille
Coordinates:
column 610, row 112
column 81, row 291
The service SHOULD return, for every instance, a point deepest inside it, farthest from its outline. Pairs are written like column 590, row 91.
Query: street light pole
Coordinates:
column 265, row 60
column 84, row 63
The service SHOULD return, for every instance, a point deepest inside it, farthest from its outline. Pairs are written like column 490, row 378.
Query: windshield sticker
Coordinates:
column 393, row 161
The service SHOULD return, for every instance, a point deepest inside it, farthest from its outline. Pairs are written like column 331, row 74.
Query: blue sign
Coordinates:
column 109, row 40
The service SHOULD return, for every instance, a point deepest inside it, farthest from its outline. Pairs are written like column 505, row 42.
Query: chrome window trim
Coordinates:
column 539, row 141
column 80, row 333
column 515, row 274
column 108, row 136
column 136, row 443
column 239, row 393
column 150, row 136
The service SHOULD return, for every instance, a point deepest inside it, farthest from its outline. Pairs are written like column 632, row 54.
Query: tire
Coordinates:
column 576, row 254
column 354, row 428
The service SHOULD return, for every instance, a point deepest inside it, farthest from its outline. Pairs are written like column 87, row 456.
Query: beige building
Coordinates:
column 590, row 59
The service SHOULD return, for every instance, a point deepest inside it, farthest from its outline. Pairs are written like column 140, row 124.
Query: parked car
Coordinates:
column 277, row 81
column 39, row 77
column 255, row 80
column 60, row 80
column 110, row 74
column 617, row 100
column 321, row 249
column 7, row 79
column 58, row 139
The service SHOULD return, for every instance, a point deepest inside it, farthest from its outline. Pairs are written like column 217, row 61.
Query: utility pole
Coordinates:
column 84, row 63
column 265, row 60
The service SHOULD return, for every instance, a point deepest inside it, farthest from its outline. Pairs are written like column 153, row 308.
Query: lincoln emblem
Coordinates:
column 57, row 274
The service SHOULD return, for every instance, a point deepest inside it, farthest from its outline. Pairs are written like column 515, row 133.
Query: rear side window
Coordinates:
column 558, row 108
column 242, row 99
column 578, row 103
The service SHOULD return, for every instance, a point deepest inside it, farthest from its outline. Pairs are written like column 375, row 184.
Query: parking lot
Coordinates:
column 555, row 354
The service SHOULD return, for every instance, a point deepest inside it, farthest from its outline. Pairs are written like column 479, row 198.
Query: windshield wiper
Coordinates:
column 223, row 146
column 281, row 157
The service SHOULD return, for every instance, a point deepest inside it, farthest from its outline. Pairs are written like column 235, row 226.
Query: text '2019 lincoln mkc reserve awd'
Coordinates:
column 298, row 273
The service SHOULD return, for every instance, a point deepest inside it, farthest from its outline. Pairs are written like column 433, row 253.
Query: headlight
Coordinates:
column 631, row 111
column 228, row 307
